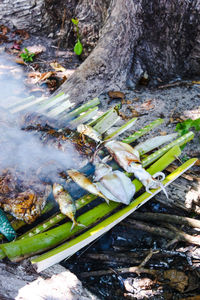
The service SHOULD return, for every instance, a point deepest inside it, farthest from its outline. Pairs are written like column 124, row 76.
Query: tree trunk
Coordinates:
column 159, row 38
column 130, row 38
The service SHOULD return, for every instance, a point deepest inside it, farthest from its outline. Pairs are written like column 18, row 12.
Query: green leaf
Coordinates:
column 196, row 124
column 78, row 48
column 184, row 127
column 75, row 21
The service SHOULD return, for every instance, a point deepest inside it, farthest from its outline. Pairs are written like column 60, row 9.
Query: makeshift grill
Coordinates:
column 58, row 242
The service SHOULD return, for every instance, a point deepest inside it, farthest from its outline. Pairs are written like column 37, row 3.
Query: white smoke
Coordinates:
column 20, row 149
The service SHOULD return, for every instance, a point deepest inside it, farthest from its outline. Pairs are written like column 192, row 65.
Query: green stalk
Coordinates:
column 120, row 130
column 69, row 248
column 142, row 131
column 41, row 242
column 84, row 117
column 53, row 220
column 94, row 122
column 107, row 121
column 180, row 141
column 80, row 109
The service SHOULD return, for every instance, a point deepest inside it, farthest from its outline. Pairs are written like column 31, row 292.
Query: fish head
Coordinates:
column 57, row 188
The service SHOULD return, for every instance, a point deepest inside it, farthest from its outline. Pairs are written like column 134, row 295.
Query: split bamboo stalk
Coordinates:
column 143, row 131
column 41, row 242
column 72, row 246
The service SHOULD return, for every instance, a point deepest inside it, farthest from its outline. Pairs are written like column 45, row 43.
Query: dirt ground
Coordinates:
column 177, row 267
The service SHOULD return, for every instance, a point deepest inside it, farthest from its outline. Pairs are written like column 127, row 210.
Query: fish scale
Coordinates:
column 6, row 228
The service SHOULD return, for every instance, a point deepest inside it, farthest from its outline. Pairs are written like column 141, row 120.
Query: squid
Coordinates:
column 129, row 159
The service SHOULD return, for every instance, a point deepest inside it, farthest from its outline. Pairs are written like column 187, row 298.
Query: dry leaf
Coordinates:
column 128, row 101
column 36, row 49
column 46, row 75
column 134, row 112
column 23, row 33
column 197, row 297
column 20, row 61
column 3, row 38
column 57, row 67
column 136, row 99
column 177, row 279
column 4, row 29
column 148, row 105
column 116, row 94
column 196, row 82
column 197, row 163
column 163, row 133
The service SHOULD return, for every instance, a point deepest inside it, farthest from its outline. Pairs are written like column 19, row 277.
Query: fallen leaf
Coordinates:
column 16, row 45
column 57, row 67
column 128, row 101
column 116, row 94
column 4, row 29
column 197, row 297
column 163, row 133
column 148, row 105
column 3, row 38
column 197, row 163
column 177, row 279
column 136, row 99
column 46, row 75
column 195, row 82
column 20, row 61
column 36, row 49
column 23, row 33
column 134, row 112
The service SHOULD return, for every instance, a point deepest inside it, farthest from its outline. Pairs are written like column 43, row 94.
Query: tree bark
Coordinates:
column 129, row 38
column 160, row 38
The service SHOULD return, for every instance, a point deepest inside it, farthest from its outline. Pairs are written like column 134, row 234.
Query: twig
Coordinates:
column 134, row 269
column 175, row 234
column 175, row 84
column 166, row 218
column 148, row 257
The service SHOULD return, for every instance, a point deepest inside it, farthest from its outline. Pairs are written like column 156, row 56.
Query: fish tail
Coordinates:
column 81, row 225
column 107, row 200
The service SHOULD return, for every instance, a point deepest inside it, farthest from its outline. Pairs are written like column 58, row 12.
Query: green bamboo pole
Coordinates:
column 107, row 121
column 26, row 247
column 154, row 142
column 120, row 130
column 69, row 248
column 180, row 141
column 89, row 114
column 143, row 131
column 94, row 122
column 56, row 218
column 80, row 109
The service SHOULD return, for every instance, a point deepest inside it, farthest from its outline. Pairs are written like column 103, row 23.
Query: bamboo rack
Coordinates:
column 58, row 242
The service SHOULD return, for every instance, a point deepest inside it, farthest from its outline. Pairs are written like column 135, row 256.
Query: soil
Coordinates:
column 125, row 246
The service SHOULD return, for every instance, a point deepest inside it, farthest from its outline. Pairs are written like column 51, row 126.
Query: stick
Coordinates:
column 135, row 269
column 166, row 218
column 175, row 234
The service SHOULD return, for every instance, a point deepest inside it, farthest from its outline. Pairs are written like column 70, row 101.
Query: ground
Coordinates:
column 126, row 246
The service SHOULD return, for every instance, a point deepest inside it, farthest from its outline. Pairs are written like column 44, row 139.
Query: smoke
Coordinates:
column 21, row 150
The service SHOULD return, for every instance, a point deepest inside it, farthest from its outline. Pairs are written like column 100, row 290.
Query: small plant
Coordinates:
column 184, row 127
column 27, row 56
column 78, row 48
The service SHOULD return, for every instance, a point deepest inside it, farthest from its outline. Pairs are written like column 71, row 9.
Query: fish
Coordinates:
column 86, row 184
column 66, row 203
